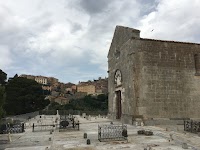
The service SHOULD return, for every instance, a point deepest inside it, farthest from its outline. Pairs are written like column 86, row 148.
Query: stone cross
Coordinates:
column 9, row 137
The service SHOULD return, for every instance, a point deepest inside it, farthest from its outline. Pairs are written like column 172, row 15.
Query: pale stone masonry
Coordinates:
column 47, row 82
column 96, row 87
column 89, row 89
column 152, row 78
column 41, row 80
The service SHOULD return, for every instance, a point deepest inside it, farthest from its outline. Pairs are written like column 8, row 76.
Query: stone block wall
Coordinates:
column 120, row 58
column 170, row 87
column 160, row 79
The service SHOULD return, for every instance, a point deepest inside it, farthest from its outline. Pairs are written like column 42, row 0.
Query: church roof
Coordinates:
column 145, row 39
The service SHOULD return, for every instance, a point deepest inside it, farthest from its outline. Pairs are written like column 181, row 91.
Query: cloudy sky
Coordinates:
column 70, row 39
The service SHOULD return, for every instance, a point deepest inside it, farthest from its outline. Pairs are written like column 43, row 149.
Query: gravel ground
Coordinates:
column 73, row 139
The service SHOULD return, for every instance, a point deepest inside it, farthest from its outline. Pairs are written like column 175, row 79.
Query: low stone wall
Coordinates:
column 24, row 117
column 72, row 112
column 133, row 120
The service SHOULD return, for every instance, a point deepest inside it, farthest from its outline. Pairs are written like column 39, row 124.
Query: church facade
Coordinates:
column 150, row 78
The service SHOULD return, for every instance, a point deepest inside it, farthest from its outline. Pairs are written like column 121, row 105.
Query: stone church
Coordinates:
column 150, row 78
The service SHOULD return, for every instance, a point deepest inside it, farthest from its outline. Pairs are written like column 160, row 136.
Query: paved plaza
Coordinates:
column 163, row 138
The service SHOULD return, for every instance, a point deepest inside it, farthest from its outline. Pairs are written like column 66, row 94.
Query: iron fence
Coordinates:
column 43, row 127
column 192, row 126
column 68, row 122
column 112, row 132
column 11, row 128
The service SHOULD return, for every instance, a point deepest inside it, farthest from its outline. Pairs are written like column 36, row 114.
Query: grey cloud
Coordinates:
column 147, row 6
column 172, row 20
column 94, row 6
column 121, row 13
column 53, row 39
column 45, row 30
column 101, row 27
column 11, row 29
column 42, row 21
column 76, row 27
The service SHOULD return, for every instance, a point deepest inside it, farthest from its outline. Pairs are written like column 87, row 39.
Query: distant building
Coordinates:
column 89, row 89
column 41, row 80
column 74, row 87
column 70, row 90
column 70, row 87
column 52, row 80
column 46, row 87
column 100, row 86
column 48, row 83
column 28, row 76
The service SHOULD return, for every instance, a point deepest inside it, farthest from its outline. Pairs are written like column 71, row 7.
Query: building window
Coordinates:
column 197, row 64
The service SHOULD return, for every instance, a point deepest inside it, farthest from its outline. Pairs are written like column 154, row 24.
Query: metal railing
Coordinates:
column 68, row 122
column 192, row 126
column 43, row 127
column 11, row 128
column 112, row 132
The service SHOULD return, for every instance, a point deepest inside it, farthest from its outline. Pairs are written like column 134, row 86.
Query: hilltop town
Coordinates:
column 62, row 93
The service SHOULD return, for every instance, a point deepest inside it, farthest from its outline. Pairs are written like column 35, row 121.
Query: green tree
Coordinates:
column 23, row 96
column 16, row 76
column 3, row 77
column 88, row 103
column 2, row 100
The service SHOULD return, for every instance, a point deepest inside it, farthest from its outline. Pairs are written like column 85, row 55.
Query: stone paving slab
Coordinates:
column 73, row 140
column 30, row 148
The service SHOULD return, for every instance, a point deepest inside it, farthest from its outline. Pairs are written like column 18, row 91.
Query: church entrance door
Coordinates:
column 118, row 105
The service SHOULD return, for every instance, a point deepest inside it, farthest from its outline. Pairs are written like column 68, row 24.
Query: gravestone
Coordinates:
column 86, row 117
column 170, row 135
column 85, row 135
column 89, row 117
column 83, row 115
column 33, row 127
column 184, row 146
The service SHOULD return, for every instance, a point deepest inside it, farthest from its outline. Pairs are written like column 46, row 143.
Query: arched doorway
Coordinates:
column 118, row 104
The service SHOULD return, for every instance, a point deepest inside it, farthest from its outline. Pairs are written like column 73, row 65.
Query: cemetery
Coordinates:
column 87, row 132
